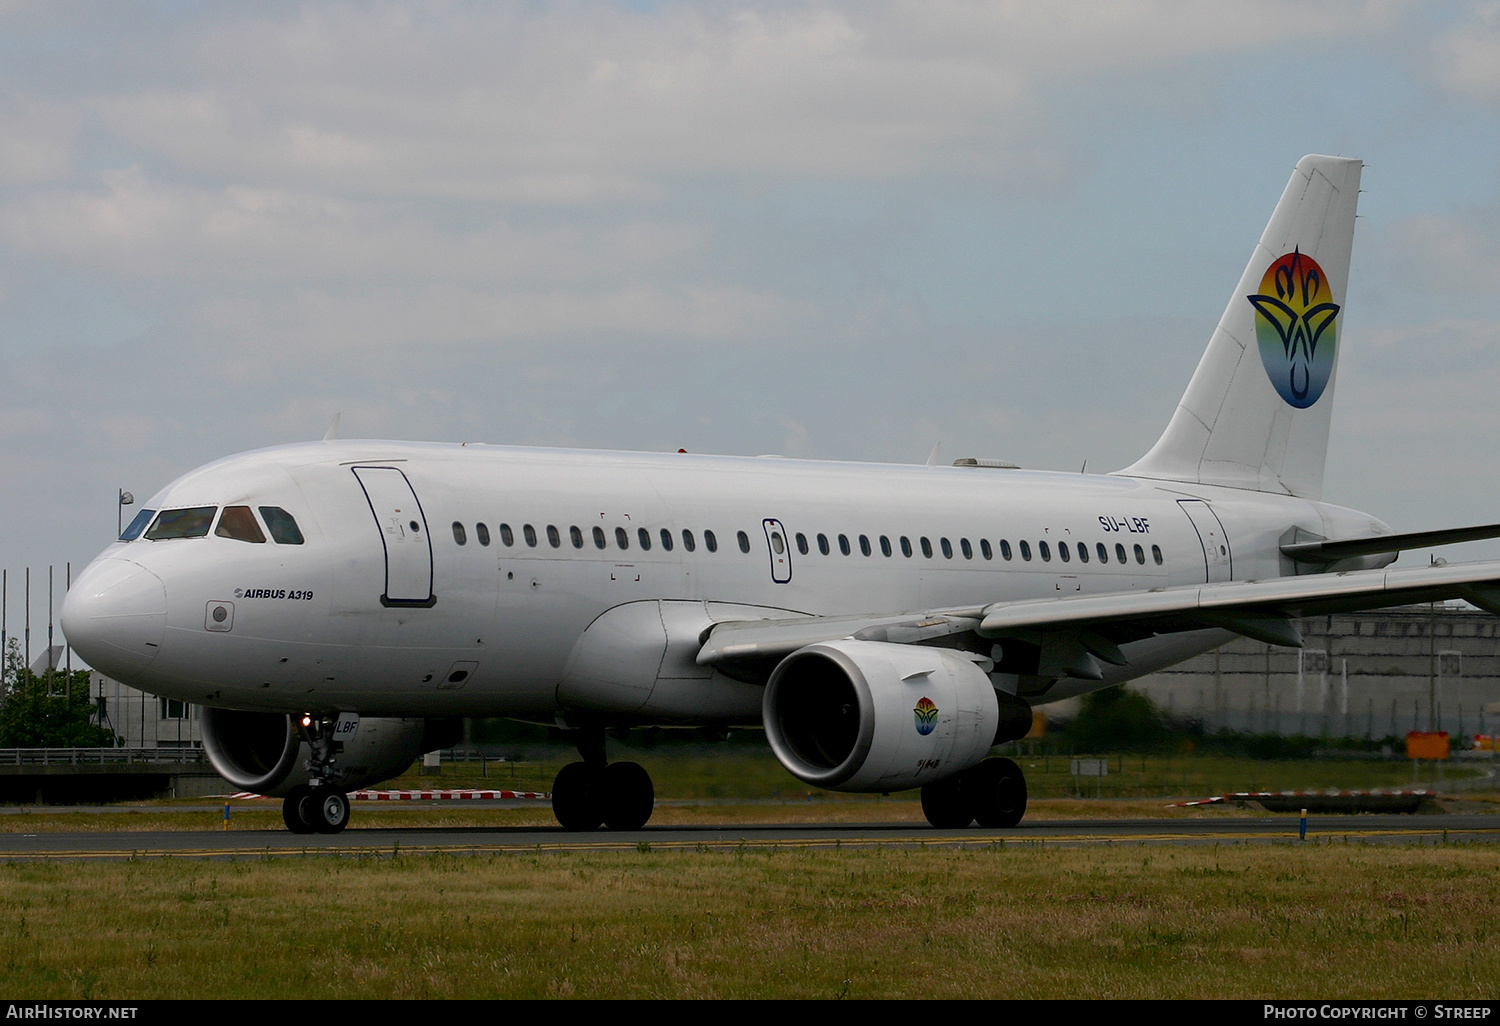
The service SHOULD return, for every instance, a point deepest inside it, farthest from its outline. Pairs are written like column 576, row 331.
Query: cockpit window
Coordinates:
column 132, row 532
column 182, row 523
column 281, row 525
column 238, row 522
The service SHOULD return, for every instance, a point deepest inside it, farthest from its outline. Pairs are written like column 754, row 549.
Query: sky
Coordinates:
column 826, row 230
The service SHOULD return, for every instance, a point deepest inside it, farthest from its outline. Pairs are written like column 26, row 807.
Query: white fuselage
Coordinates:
column 305, row 627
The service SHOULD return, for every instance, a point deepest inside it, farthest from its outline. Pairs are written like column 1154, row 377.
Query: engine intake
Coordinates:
column 873, row 716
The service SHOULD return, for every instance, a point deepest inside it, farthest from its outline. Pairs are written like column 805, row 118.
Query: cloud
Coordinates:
column 593, row 102
column 1466, row 60
column 136, row 226
column 1458, row 252
column 333, row 324
column 36, row 138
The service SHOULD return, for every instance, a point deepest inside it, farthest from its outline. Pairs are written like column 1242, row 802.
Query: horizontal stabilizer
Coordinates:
column 1332, row 551
column 1237, row 605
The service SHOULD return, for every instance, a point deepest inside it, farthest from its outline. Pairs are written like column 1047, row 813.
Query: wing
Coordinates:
column 1072, row 635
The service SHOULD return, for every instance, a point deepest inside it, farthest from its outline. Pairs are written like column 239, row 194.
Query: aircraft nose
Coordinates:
column 114, row 616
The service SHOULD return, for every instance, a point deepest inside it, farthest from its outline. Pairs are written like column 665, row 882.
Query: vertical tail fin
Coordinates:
column 1256, row 412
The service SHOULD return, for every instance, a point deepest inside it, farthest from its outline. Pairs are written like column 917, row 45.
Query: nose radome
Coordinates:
column 114, row 616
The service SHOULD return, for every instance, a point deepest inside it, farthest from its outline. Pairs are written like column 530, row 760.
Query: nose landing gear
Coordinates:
column 320, row 810
column 321, row 807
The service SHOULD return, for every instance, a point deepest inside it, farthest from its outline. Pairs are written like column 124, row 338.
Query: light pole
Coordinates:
column 126, row 499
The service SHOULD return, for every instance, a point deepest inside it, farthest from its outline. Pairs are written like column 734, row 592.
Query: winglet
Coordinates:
column 332, row 434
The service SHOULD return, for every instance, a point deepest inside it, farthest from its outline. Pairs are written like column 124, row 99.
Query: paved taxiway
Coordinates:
column 1378, row 829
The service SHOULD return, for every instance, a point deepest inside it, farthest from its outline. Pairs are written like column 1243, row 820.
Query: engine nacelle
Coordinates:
column 263, row 752
column 873, row 716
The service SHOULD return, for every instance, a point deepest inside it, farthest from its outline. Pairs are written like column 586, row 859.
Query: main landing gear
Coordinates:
column 992, row 793
column 617, row 794
column 319, row 808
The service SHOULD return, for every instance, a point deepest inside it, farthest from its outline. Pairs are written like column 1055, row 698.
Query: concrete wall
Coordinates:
column 1361, row 674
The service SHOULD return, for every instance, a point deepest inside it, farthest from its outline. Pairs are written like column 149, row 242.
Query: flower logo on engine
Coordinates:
column 926, row 716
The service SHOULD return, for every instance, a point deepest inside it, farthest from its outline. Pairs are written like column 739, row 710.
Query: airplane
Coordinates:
column 337, row 606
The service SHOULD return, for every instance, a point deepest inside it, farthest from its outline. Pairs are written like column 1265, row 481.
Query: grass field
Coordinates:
column 1011, row 920
column 1262, row 921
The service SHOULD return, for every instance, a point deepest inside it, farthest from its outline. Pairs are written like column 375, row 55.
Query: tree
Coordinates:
column 47, row 710
column 1118, row 719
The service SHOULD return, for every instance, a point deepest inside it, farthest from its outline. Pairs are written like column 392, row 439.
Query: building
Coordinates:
column 1370, row 674
column 140, row 720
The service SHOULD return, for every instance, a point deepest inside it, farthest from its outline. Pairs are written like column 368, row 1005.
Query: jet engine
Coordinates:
column 874, row 716
column 265, row 753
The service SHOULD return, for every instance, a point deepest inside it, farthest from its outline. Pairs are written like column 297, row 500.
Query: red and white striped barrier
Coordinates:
column 1251, row 796
column 442, row 794
column 447, row 794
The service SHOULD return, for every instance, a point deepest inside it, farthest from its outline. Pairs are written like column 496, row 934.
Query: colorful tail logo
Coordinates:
column 1294, row 318
column 926, row 715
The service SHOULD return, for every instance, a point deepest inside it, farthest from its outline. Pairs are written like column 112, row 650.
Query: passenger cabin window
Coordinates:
column 1156, row 554
column 135, row 527
column 182, row 523
column 553, row 538
column 947, row 548
column 1062, row 551
column 985, row 550
column 926, row 548
column 744, row 540
column 864, row 544
column 283, row 528
column 238, row 522
column 966, row 548
column 1120, row 552
column 599, row 538
column 482, row 532
column 823, row 544
column 710, row 542
column 529, row 533
column 458, row 533
column 844, row 544
column 802, row 543
column 1140, row 555
column 507, row 536
column 906, row 546
column 885, row 545
column 621, row 538
column 1102, row 551
column 1005, row 549
column 575, row 536
column 666, row 539
column 687, row 540
column 1025, row 550
column 645, row 538
column 1083, row 553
